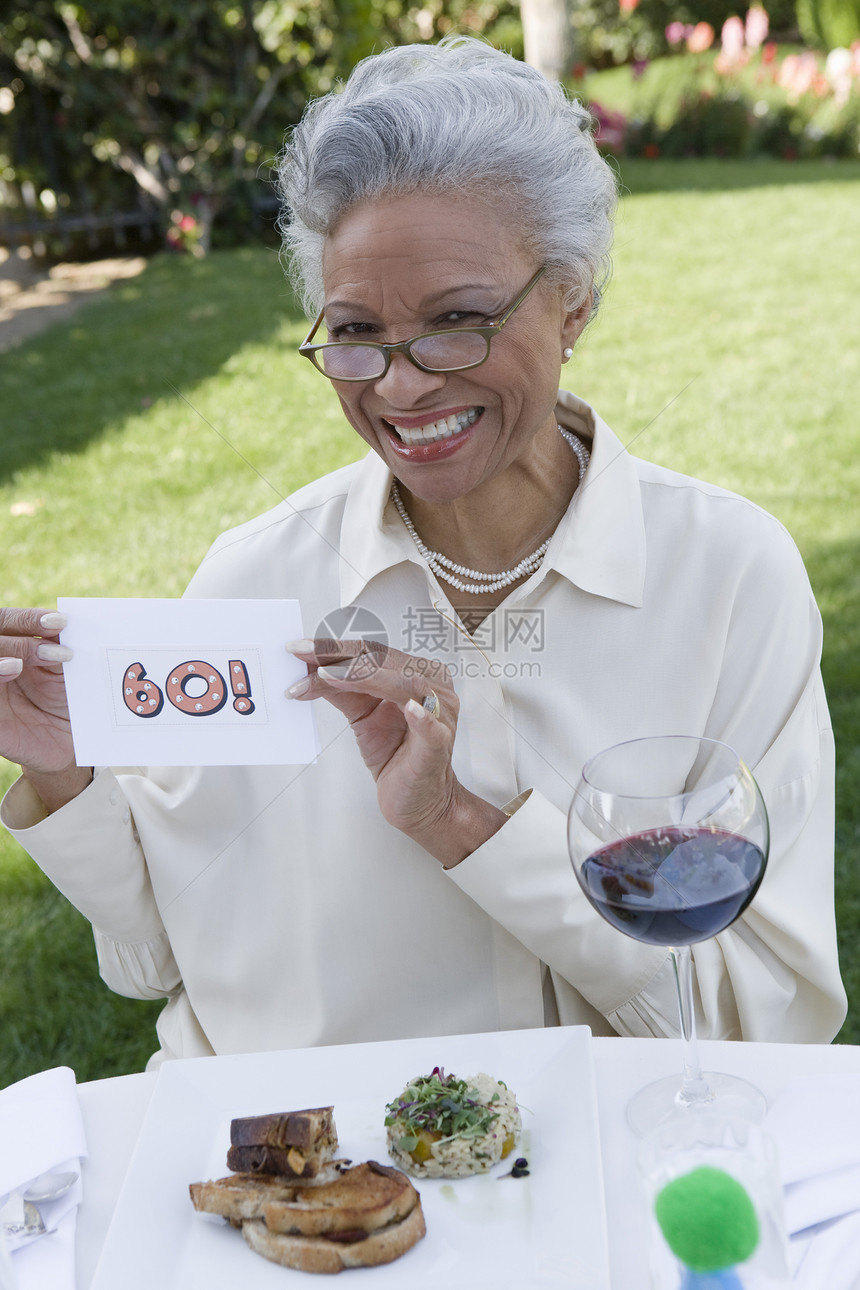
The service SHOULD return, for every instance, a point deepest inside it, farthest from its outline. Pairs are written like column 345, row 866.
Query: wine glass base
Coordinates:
column 730, row 1096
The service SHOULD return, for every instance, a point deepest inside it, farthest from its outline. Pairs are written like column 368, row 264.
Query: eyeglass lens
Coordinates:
column 441, row 352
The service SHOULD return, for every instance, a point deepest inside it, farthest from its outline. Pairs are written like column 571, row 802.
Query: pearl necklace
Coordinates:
column 484, row 583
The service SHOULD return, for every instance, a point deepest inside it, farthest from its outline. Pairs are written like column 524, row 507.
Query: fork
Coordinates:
column 31, row 1224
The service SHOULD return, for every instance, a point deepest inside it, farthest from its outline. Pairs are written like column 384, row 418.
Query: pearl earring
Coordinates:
column 567, row 353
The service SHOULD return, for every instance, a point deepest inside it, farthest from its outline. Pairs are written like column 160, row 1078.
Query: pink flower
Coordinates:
column 187, row 222
column 700, row 38
column 627, row 6
column 677, row 32
column 757, row 26
column 768, row 54
column 610, row 127
column 798, row 74
column 732, row 39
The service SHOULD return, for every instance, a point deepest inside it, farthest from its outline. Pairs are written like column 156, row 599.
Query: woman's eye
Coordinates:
column 343, row 331
column 457, row 317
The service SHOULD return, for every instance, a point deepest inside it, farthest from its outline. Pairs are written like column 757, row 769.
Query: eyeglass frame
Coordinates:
column 404, row 347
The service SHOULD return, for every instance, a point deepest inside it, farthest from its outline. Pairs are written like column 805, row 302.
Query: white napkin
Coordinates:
column 41, row 1131
column 816, row 1126
column 828, row 1258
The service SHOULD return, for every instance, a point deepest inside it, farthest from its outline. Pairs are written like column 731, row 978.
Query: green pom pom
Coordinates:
column 708, row 1220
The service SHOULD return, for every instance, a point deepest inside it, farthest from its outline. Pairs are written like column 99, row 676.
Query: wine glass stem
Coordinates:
column 694, row 1087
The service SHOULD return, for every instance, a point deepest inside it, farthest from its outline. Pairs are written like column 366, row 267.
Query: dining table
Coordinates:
column 114, row 1110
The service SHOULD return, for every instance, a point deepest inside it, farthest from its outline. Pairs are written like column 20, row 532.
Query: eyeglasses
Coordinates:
column 435, row 351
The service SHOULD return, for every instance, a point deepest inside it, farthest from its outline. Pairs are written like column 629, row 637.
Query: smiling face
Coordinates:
column 402, row 266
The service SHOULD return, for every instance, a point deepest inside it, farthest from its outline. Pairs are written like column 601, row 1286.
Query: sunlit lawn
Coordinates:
column 727, row 348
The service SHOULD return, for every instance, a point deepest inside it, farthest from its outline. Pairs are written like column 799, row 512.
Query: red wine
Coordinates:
column 673, row 886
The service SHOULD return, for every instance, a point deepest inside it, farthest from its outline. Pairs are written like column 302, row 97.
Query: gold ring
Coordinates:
column 430, row 703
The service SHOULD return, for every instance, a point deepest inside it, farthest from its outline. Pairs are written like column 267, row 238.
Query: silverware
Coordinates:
column 32, row 1224
column 49, row 1186
column 44, row 1189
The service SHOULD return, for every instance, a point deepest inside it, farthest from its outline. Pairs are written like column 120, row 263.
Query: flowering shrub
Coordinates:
column 744, row 97
column 610, row 128
column 183, row 233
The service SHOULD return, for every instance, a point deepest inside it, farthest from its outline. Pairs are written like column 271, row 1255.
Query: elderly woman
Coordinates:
column 528, row 593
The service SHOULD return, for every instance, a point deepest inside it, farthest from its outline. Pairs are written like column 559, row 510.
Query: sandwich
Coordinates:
column 293, row 1144
column 361, row 1217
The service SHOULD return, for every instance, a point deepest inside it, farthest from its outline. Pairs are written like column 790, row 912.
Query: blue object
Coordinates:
column 727, row 1279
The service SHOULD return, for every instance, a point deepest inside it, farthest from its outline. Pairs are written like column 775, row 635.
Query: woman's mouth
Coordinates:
column 436, row 431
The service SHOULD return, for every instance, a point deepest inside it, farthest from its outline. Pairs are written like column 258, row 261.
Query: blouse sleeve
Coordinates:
column 774, row 974
column 91, row 853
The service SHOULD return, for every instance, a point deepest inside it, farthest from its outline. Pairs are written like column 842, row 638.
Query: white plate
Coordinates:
column 483, row 1233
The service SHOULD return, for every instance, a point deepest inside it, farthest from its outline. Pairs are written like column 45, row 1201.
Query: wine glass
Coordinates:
column 669, row 838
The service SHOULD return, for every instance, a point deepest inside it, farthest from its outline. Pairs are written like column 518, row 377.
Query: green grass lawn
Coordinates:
column 177, row 406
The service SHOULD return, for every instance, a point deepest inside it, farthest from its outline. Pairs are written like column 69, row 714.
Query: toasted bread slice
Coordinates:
column 240, row 1196
column 338, row 1251
column 245, row 1195
column 365, row 1198
column 303, row 1129
column 295, row 1144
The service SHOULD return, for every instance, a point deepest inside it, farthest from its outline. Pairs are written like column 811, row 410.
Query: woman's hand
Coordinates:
column 406, row 748
column 35, row 730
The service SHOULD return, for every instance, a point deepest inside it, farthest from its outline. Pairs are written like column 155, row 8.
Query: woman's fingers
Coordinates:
column 358, row 659
column 326, row 650
column 428, row 726
column 29, row 635
column 399, row 683
column 367, row 667
column 34, row 716
column 31, row 622
column 27, row 649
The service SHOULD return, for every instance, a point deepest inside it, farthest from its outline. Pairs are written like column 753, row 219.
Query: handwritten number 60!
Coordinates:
column 194, row 687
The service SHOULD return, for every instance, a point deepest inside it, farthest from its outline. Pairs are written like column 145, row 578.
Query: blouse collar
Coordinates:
column 599, row 546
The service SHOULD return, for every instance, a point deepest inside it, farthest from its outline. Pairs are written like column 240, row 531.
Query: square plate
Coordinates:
column 486, row 1232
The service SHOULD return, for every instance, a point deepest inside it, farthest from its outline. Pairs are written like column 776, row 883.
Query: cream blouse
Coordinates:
column 276, row 908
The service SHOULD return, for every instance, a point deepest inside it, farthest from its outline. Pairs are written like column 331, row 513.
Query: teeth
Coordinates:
column 436, row 430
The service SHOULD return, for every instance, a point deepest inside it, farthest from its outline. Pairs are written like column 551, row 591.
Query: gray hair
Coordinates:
column 457, row 117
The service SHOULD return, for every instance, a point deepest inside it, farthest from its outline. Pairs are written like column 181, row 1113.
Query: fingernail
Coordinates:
column 299, row 647
column 416, row 709
column 299, row 687
column 53, row 622
column 335, row 671
column 11, row 666
column 48, row 652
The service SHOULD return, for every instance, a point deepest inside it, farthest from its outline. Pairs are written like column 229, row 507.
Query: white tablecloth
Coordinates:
column 113, row 1110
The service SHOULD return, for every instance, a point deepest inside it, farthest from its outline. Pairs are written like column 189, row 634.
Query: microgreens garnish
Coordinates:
column 442, row 1104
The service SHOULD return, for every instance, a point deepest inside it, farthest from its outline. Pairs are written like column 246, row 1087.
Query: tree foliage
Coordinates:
column 183, row 102
column 829, row 23
column 185, row 99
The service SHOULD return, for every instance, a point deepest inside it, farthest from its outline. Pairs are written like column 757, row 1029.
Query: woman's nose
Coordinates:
column 404, row 383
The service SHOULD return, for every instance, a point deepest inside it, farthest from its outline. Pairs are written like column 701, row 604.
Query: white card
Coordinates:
column 185, row 683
